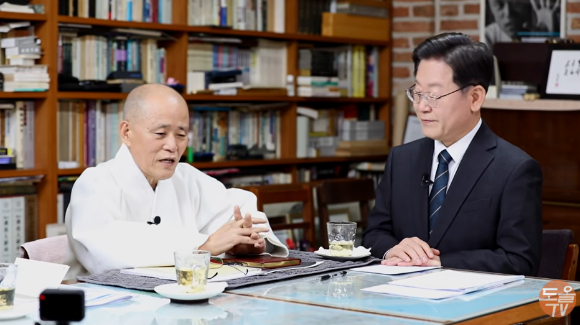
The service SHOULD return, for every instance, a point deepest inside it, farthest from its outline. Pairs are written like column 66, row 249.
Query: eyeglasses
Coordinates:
column 428, row 98
column 218, row 262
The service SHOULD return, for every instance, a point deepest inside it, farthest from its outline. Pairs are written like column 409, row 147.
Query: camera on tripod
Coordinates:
column 62, row 305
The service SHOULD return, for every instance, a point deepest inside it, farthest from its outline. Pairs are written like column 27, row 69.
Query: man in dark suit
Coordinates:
column 462, row 197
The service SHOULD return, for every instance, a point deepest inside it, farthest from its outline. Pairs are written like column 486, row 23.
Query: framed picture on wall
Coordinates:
column 563, row 73
column 525, row 20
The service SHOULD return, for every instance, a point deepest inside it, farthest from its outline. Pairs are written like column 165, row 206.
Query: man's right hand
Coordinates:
column 412, row 250
column 233, row 233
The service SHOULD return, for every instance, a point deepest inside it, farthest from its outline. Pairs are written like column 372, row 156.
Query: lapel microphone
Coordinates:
column 156, row 221
column 425, row 181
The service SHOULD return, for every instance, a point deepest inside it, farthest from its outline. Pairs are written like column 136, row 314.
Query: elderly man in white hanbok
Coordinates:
column 135, row 210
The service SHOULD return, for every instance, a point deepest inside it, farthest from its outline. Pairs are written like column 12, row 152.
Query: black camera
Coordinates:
column 62, row 305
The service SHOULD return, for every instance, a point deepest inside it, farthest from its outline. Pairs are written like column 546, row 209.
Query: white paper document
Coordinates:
column 393, row 270
column 35, row 276
column 412, row 292
column 459, row 281
column 99, row 297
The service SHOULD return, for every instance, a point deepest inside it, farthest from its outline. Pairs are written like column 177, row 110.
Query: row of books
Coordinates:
column 214, row 129
column 225, row 64
column 339, row 132
column 17, row 131
column 151, row 11
column 350, row 71
column 258, row 15
column 261, row 65
column 88, row 132
column 93, row 57
column 18, row 215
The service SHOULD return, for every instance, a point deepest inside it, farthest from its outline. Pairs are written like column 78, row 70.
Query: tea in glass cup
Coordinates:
column 341, row 237
column 191, row 267
column 8, row 273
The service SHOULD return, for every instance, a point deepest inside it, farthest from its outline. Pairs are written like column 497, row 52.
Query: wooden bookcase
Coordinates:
column 46, row 28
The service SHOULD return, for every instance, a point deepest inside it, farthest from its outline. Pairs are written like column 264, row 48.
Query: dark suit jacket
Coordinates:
column 491, row 219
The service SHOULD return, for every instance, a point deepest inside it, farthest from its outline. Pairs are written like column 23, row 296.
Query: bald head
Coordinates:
column 155, row 129
column 142, row 99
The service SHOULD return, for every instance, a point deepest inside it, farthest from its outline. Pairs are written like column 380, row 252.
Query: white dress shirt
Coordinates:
column 456, row 151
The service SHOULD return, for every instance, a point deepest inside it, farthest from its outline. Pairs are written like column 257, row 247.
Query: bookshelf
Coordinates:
column 47, row 29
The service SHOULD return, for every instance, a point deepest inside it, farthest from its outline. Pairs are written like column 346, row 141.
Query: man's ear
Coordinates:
column 125, row 132
column 476, row 98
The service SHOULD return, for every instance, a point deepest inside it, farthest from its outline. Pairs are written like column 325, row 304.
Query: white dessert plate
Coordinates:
column 173, row 291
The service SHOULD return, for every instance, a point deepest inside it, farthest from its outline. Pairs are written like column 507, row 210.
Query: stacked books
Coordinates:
column 25, row 77
column 22, row 73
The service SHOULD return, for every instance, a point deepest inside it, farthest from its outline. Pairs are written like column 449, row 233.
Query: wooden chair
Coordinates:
column 336, row 191
column 283, row 193
column 559, row 255
column 559, row 261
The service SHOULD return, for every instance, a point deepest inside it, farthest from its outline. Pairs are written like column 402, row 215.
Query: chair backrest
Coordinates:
column 281, row 193
column 348, row 190
column 559, row 255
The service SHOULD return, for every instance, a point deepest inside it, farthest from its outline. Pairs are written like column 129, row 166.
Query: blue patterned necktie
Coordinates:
column 439, row 188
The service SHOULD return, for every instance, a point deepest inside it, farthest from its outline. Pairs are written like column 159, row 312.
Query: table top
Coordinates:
column 148, row 308
column 344, row 293
column 308, row 299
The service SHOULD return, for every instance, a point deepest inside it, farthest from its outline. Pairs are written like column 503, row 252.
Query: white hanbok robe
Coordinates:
column 110, row 206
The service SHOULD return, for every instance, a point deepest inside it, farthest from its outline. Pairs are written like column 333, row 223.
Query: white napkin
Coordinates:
column 357, row 251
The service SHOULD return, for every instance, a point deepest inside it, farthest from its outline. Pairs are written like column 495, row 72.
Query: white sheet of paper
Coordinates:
column 456, row 281
column 35, row 276
column 392, row 270
column 98, row 297
column 412, row 292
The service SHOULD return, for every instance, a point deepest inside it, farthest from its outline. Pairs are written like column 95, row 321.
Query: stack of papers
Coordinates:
column 99, row 297
column 444, row 284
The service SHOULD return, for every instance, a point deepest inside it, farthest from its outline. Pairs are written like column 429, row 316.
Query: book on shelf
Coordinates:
column 150, row 11
column 257, row 15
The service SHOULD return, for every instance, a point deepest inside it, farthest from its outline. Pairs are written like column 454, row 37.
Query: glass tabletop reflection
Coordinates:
column 345, row 293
